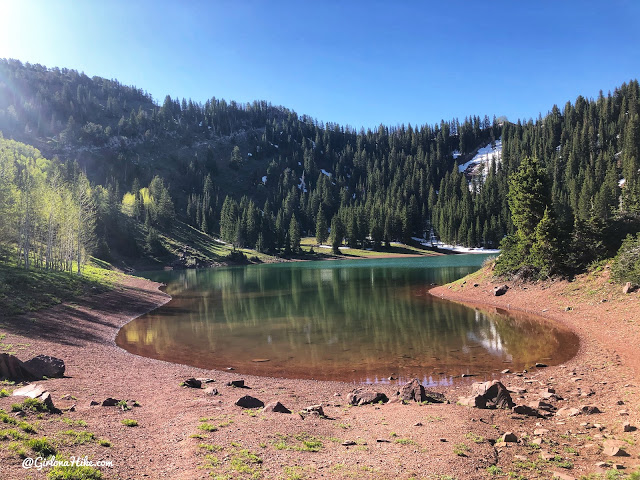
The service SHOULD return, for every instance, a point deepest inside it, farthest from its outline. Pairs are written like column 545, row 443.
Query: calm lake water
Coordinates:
column 351, row 320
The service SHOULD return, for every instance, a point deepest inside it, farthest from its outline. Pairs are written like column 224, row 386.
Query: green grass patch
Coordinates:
column 207, row 427
column 127, row 422
column 29, row 405
column 30, row 290
column 41, row 446
column 461, row 449
column 79, row 438
column 302, row 442
column 74, row 472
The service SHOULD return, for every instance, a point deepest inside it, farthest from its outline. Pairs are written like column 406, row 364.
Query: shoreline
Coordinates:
column 389, row 441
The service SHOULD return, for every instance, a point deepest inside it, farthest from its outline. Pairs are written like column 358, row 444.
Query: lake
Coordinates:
column 351, row 320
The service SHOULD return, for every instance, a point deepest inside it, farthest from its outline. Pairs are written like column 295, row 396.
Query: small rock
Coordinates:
column 477, row 401
column 363, row 396
column 613, row 451
column 275, row 407
column 540, row 405
column 314, row 409
column 348, row 443
column 192, row 383
column 541, row 365
column 537, row 441
column 589, row 409
column 626, row 427
column 567, row 412
column 525, row 410
column 93, row 403
column 623, row 413
column 505, row 371
column 628, row 288
column 562, row 476
column 382, row 440
column 46, row 399
column 110, row 402
column 540, row 431
column 230, row 369
column 249, row 402
column 443, row 440
column 476, row 285
column 509, row 437
column 211, row 391
column 205, row 380
column 547, row 456
column 236, row 383
column 500, row 290
column 419, row 424
column 517, row 390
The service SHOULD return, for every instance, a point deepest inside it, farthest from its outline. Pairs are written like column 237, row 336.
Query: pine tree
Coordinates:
column 294, row 235
column 545, row 254
column 321, row 227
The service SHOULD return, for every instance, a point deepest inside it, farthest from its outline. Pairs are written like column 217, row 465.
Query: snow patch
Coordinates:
column 622, row 181
column 482, row 160
column 249, row 154
column 264, row 179
column 325, row 172
column 303, row 185
column 434, row 243
column 456, row 154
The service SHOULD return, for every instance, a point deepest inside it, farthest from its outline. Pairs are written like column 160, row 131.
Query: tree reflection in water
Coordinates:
column 362, row 320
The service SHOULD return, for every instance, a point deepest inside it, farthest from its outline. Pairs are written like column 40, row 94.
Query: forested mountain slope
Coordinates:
column 285, row 173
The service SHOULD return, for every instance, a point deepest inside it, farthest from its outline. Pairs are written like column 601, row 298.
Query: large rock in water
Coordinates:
column 494, row 392
column 362, row 396
column 414, row 391
column 11, row 368
column 46, row 366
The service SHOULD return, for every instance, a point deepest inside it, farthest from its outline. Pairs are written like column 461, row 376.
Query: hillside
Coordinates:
column 262, row 177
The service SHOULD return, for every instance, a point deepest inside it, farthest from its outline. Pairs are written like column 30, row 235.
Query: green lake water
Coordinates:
column 353, row 320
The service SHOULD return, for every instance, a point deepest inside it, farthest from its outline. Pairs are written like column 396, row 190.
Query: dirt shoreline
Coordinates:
column 421, row 441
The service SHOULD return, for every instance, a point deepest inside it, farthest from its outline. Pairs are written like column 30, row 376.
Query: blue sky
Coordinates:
column 359, row 63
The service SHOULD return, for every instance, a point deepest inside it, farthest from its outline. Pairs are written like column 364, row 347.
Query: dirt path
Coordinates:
column 184, row 433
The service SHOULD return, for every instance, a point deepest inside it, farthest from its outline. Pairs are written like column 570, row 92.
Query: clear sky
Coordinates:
column 359, row 63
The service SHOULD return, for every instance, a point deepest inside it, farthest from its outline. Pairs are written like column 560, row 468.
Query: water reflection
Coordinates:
column 362, row 321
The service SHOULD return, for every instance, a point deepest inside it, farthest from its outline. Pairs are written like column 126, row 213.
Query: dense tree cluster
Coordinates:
column 262, row 176
column 46, row 213
column 575, row 195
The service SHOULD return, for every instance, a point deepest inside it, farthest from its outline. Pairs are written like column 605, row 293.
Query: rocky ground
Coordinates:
column 184, row 432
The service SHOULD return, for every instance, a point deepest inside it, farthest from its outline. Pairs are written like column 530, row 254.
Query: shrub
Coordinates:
column 626, row 264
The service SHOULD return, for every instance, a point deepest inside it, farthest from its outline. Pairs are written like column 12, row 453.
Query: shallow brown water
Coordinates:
column 360, row 321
